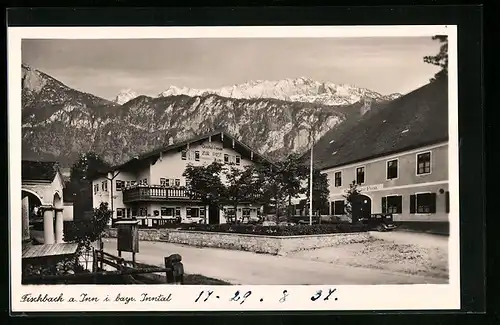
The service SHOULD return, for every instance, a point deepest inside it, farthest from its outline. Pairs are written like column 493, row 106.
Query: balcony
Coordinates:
column 154, row 193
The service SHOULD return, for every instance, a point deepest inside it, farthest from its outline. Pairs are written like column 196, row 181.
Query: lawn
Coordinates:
column 383, row 254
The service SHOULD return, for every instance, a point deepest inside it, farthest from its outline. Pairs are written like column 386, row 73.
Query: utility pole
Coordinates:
column 311, row 184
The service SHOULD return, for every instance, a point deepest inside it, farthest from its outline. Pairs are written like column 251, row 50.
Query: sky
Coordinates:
column 149, row 66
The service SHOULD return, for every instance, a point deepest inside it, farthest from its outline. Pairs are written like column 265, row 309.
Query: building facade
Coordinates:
column 152, row 187
column 397, row 155
column 411, row 185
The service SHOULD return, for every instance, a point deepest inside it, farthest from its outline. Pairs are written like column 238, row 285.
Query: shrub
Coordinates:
column 294, row 230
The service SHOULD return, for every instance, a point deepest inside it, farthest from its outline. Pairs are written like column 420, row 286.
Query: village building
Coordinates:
column 44, row 211
column 397, row 154
column 151, row 187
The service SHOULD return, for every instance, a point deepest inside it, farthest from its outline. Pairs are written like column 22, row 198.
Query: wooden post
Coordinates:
column 101, row 250
column 175, row 272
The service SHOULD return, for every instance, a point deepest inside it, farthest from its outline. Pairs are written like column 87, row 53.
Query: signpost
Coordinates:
column 128, row 237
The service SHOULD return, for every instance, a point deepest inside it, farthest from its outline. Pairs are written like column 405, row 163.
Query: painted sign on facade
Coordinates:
column 367, row 188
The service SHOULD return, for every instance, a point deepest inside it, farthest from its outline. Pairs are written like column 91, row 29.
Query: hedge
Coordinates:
column 295, row 230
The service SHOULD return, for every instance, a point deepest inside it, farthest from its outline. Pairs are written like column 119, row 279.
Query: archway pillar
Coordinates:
column 48, row 225
column 59, row 228
column 26, row 220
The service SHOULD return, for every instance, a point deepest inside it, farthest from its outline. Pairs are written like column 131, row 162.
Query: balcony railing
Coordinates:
column 154, row 193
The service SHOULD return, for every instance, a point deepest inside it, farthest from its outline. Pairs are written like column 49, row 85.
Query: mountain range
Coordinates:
column 274, row 117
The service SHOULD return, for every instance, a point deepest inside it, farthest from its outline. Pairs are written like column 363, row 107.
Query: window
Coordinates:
column 132, row 183
column 226, row 158
column 177, row 182
column 392, row 204
column 246, row 213
column 163, row 212
column 423, row 203
column 197, row 155
column 145, row 181
column 177, row 212
column 238, row 160
column 337, row 207
column 338, row 179
column 143, row 212
column 360, row 175
column 424, row 163
column 447, row 202
column 188, row 212
column 104, row 186
column 140, row 182
column 163, row 182
column 392, row 169
column 119, row 212
column 184, row 155
column 134, row 212
column 96, row 188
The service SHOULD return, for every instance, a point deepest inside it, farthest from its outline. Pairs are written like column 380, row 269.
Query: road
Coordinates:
column 239, row 267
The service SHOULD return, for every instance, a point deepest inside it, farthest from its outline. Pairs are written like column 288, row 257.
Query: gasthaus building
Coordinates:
column 397, row 153
column 152, row 189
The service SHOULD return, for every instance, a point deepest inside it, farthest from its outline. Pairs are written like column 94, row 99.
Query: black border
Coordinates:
column 470, row 93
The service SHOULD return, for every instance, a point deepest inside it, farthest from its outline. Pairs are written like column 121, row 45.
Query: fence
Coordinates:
column 110, row 269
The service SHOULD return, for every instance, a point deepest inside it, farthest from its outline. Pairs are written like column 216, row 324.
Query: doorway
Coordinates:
column 213, row 214
column 361, row 207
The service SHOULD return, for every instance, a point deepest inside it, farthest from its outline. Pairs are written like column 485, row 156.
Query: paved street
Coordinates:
column 238, row 267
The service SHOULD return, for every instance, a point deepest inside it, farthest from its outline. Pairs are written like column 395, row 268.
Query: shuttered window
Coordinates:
column 392, row 204
column 338, row 207
column 423, row 203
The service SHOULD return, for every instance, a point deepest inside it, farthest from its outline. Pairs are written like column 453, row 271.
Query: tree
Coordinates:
column 350, row 196
column 242, row 185
column 205, row 184
column 86, row 231
column 320, row 191
column 440, row 59
column 283, row 180
column 79, row 185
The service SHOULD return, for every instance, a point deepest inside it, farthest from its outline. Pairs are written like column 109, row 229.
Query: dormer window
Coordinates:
column 238, row 160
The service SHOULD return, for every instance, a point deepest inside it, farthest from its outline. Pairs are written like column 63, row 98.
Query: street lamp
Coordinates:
column 111, row 191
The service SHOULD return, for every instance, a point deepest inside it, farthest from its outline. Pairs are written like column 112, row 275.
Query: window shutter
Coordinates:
column 433, row 203
column 384, row 204
column 413, row 200
column 447, row 202
column 333, row 208
column 342, row 207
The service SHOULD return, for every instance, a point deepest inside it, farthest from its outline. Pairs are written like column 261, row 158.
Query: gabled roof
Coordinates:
column 39, row 170
column 417, row 119
column 183, row 144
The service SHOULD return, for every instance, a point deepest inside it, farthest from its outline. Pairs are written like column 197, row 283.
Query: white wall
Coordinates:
column 68, row 211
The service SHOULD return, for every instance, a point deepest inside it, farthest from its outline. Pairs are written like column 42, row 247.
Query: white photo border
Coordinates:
column 349, row 298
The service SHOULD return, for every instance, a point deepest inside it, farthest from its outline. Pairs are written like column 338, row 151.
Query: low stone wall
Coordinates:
column 276, row 245
column 144, row 234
